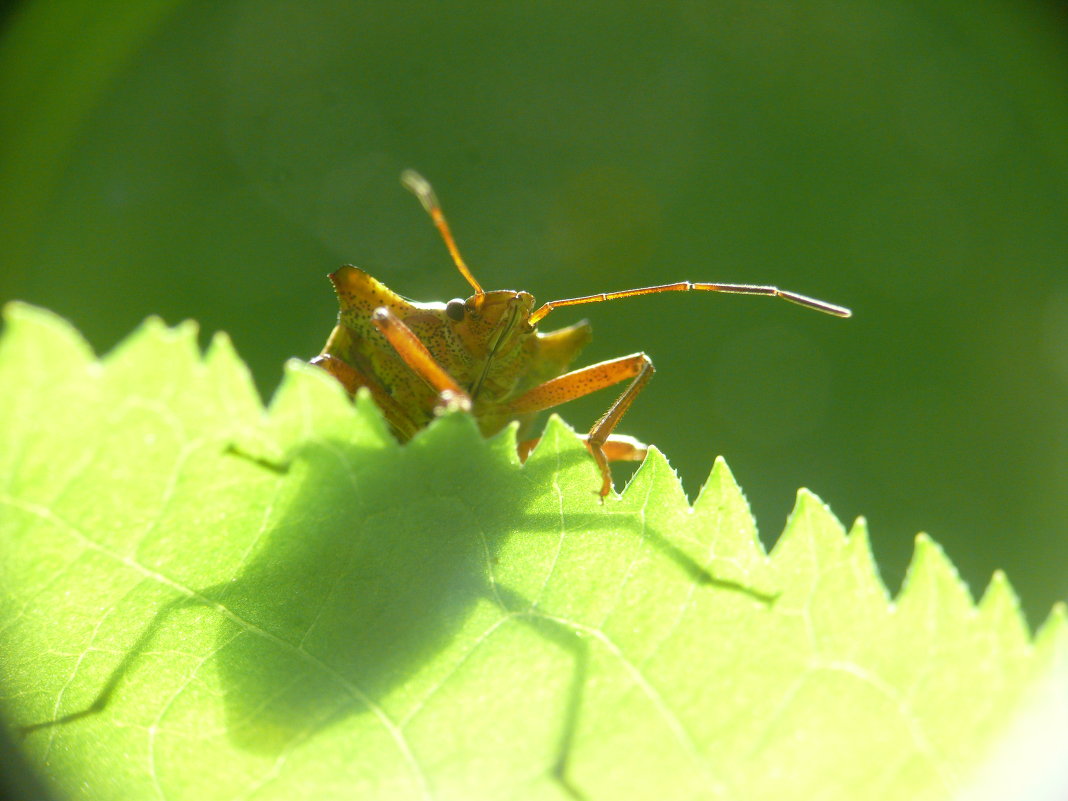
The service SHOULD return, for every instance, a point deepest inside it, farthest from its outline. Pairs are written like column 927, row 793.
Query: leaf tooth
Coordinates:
column 152, row 341
column 372, row 418
column 811, row 530
column 301, row 377
column 155, row 328
column 999, row 611
column 560, row 452
column 722, row 500
column 1051, row 639
column 506, row 441
column 866, row 569
column 222, row 356
column 30, row 328
column 656, row 478
column 721, row 489
column 933, row 590
column 557, row 434
column 449, row 431
column 308, row 405
column 232, row 381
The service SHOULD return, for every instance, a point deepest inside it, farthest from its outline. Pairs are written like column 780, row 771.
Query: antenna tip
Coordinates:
column 420, row 187
column 813, row 303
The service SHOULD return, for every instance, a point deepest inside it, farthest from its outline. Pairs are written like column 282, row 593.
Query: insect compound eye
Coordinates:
column 455, row 309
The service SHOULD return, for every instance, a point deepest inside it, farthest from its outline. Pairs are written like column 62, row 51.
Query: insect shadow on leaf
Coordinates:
column 353, row 590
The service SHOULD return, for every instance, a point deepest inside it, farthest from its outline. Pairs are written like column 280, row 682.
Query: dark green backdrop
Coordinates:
column 910, row 160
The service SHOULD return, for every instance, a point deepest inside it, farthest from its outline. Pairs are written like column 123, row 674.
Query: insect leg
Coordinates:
column 419, row 359
column 602, row 429
column 582, row 382
column 617, row 448
column 352, row 379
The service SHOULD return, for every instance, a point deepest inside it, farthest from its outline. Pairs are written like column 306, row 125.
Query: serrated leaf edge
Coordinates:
column 929, row 566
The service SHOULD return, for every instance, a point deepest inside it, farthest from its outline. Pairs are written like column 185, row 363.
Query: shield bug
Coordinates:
column 486, row 354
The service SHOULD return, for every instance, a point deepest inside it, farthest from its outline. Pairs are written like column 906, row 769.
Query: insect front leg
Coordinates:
column 579, row 383
column 415, row 354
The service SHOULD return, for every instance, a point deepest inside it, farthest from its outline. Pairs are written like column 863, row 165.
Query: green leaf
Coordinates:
column 179, row 619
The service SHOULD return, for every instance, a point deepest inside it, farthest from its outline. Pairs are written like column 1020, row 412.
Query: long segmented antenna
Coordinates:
column 420, row 187
column 686, row 286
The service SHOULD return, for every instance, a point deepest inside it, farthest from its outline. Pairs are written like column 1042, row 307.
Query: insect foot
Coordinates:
column 449, row 401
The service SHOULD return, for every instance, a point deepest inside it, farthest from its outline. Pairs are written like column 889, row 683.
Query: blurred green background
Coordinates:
column 215, row 160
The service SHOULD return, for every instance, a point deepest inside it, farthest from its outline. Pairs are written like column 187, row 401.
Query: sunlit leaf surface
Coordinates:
column 182, row 617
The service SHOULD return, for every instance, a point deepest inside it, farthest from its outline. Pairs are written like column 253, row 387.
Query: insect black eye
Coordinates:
column 455, row 309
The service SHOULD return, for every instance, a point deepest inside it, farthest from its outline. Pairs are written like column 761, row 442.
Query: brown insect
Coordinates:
column 485, row 354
